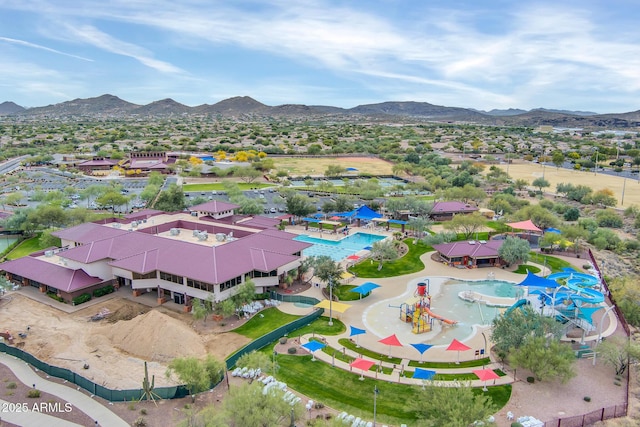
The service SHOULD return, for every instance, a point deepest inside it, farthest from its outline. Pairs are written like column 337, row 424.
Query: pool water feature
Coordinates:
column 383, row 318
column 338, row 249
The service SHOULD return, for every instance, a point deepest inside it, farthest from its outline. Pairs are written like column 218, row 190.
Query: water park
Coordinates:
column 443, row 315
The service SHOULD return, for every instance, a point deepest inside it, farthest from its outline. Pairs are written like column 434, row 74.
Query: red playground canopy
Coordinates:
column 457, row 346
column 391, row 340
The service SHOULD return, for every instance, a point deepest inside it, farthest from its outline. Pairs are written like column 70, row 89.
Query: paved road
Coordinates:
column 80, row 400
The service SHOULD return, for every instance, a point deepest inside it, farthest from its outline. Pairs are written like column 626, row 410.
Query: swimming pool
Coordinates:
column 6, row 241
column 338, row 249
column 383, row 318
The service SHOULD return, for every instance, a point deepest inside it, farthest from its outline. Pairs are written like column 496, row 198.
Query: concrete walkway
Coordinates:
column 80, row 400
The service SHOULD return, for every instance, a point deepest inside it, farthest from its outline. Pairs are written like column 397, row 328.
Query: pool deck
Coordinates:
column 392, row 287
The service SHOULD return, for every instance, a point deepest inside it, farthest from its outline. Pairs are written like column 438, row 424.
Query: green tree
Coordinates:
column 198, row 375
column 111, row 199
column 247, row 174
column 171, row 200
column 201, row 309
column 48, row 241
column 511, row 330
column 14, row 199
column 540, row 183
column 466, row 224
column 514, row 250
column 247, row 406
column 383, row 250
column 334, row 170
column 299, row 205
column 546, row 359
column 618, row 352
column 327, row 270
column 255, row 360
column 451, row 406
column 155, row 179
column 557, row 158
column 224, row 308
column 571, row 214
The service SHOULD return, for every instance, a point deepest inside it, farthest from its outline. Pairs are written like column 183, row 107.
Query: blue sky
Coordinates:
column 484, row 54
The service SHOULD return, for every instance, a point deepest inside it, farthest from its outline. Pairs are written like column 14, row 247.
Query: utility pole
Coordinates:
column 330, row 302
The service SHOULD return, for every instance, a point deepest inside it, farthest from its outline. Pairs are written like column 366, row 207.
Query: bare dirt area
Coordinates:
column 114, row 348
column 600, row 181
column 300, row 166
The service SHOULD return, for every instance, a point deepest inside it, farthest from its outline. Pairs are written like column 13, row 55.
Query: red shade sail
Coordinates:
column 363, row 364
column 391, row 340
column 486, row 374
column 457, row 346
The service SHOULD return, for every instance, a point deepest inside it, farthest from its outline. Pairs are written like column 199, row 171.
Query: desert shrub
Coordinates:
column 81, row 299
column 103, row 291
column 143, row 411
column 55, row 296
column 608, row 218
column 531, row 380
column 139, row 422
column 571, row 214
column 587, row 399
column 12, row 385
column 34, row 393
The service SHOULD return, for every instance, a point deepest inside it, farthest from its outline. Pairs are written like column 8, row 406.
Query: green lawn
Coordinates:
column 259, row 325
column 555, row 264
column 410, row 263
column 524, row 269
column 26, row 247
column 219, row 186
column 344, row 391
column 320, row 326
column 345, row 293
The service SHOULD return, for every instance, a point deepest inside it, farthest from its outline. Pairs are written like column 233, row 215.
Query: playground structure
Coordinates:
column 417, row 311
column 569, row 296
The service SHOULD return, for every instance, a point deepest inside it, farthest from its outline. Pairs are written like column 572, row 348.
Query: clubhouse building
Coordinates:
column 203, row 253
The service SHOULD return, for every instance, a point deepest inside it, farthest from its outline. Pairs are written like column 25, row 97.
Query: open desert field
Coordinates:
column 555, row 176
column 300, row 166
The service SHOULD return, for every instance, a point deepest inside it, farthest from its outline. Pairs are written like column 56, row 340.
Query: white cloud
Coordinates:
column 37, row 46
column 90, row 35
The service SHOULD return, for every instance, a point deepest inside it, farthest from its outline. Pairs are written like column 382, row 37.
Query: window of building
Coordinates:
column 152, row 275
column 171, row 278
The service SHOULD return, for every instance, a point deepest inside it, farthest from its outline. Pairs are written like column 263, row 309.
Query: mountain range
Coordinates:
column 244, row 106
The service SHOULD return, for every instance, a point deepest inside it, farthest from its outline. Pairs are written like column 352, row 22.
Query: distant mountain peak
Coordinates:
column 9, row 107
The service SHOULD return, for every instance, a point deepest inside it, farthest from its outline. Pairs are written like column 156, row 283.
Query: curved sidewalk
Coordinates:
column 81, row 401
column 397, row 374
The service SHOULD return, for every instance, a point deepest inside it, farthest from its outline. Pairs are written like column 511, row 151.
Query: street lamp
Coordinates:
column 485, row 348
column 595, row 169
column 330, row 302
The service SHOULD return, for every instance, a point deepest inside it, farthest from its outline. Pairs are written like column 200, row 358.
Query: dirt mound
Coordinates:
column 156, row 337
column 126, row 312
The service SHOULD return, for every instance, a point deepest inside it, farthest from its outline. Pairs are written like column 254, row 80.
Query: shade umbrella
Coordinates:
column 421, row 348
column 313, row 346
column 363, row 364
column 365, row 288
column 355, row 332
column 423, row 374
column 485, row 375
column 458, row 346
column 391, row 340
column 353, row 257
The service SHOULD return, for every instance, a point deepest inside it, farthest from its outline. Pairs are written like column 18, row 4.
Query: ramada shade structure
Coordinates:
column 527, row 225
column 363, row 364
column 365, row 288
column 391, row 340
column 458, row 346
column 355, row 332
column 314, row 346
column 421, row 348
column 485, row 375
column 335, row 306
column 423, row 374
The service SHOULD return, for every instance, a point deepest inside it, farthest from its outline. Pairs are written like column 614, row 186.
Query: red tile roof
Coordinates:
column 475, row 250
column 214, row 206
column 57, row 276
column 452, row 207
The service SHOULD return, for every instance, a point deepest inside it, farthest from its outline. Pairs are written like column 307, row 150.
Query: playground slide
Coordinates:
column 580, row 283
column 435, row 316
column 519, row 303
